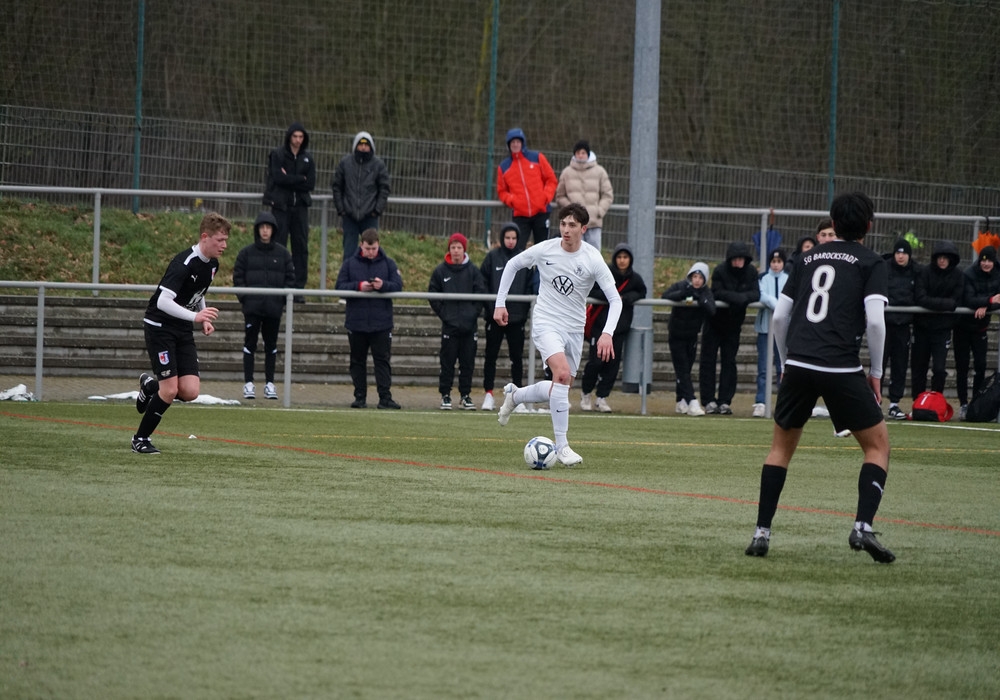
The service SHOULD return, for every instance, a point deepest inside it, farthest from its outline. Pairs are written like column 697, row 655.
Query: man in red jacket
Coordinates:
column 527, row 184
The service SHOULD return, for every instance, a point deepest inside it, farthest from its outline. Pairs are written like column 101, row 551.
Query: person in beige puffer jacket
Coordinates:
column 586, row 182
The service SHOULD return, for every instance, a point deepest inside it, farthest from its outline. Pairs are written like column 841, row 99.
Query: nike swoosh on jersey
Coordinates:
column 549, row 263
column 446, row 279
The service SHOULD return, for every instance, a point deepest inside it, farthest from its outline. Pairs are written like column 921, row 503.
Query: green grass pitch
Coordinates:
column 408, row 554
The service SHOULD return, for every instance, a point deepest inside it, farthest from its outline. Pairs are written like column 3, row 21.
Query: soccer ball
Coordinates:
column 540, row 452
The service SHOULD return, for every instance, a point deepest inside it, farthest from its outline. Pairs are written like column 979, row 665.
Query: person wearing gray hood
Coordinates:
column 360, row 190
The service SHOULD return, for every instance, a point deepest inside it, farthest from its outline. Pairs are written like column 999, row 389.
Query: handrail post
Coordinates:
column 96, row 273
column 39, row 342
column 323, row 214
column 289, row 313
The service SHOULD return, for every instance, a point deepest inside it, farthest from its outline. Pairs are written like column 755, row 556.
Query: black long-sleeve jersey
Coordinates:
column 188, row 276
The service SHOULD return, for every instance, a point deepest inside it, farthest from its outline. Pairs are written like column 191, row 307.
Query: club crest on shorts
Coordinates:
column 164, row 357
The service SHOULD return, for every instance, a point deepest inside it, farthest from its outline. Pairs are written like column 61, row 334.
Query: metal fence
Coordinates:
column 186, row 160
column 675, row 219
column 644, row 335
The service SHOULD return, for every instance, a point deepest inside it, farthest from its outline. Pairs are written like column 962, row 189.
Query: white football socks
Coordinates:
column 559, row 409
column 535, row 393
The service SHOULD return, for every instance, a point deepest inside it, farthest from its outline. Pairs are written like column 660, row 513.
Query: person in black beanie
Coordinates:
column 899, row 325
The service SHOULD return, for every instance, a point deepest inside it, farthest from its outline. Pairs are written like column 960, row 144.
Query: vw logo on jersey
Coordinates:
column 563, row 285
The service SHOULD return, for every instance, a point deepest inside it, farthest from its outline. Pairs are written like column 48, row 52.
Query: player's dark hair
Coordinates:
column 369, row 236
column 577, row 211
column 851, row 214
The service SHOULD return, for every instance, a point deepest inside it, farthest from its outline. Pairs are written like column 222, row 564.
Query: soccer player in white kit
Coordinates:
column 567, row 271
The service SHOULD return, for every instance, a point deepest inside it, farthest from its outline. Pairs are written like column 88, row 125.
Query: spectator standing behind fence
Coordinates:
column 825, row 232
column 586, row 182
column 899, row 325
column 291, row 177
column 734, row 282
column 804, row 245
column 177, row 303
column 459, row 320
column 682, row 331
column 263, row 263
column 368, row 319
column 982, row 295
column 526, row 183
column 524, row 283
column 360, row 190
column 770, row 283
column 598, row 373
column 940, row 287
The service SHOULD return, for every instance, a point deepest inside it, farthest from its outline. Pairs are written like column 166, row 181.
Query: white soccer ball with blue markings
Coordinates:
column 540, row 452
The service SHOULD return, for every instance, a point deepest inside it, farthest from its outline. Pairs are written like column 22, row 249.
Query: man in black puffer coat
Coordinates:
column 734, row 282
column 940, row 287
column 263, row 263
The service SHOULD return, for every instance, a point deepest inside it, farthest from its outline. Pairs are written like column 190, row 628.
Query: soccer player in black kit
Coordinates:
column 178, row 302
column 836, row 292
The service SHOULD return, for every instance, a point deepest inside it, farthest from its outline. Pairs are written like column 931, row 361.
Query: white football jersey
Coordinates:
column 564, row 282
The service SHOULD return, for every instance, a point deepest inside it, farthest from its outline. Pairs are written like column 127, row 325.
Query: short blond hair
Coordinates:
column 213, row 223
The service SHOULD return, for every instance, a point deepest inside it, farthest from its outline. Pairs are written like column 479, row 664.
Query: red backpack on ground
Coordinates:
column 931, row 406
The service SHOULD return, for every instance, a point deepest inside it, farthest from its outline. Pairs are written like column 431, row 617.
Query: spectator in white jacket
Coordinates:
column 585, row 182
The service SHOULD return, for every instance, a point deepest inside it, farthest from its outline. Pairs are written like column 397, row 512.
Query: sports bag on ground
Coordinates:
column 931, row 406
column 986, row 406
